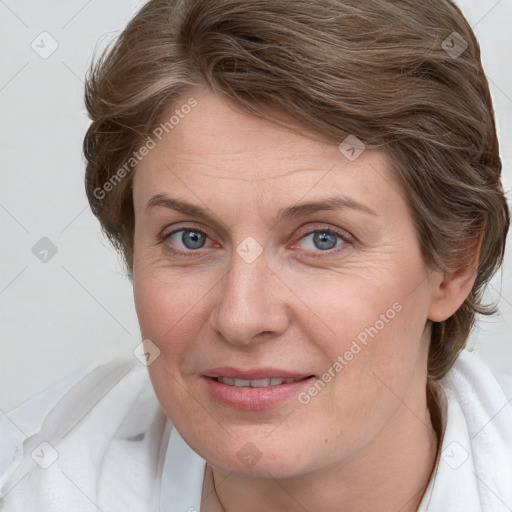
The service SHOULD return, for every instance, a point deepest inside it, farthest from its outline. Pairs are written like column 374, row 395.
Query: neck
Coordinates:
column 391, row 473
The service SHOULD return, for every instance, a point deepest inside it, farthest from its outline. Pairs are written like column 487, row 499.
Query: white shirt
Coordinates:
column 101, row 442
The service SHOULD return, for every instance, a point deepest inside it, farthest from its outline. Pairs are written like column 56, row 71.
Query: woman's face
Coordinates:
column 264, row 254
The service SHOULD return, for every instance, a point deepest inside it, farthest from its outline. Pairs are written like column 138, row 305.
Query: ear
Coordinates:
column 449, row 290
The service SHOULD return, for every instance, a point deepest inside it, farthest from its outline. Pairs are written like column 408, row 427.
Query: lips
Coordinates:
column 254, row 389
column 253, row 374
column 256, row 383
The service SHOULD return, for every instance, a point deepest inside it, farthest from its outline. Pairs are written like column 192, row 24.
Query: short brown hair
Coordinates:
column 395, row 73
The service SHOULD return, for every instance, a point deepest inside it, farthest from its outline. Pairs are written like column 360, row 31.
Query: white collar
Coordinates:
column 474, row 470
column 453, row 485
column 182, row 477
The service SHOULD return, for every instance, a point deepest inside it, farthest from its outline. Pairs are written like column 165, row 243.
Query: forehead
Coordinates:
column 214, row 146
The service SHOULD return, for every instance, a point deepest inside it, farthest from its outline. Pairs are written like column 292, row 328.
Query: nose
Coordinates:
column 250, row 303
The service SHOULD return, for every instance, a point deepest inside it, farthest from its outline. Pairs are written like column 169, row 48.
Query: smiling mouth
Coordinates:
column 257, row 383
column 254, row 389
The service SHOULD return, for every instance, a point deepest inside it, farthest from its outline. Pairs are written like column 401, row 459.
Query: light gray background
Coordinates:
column 77, row 308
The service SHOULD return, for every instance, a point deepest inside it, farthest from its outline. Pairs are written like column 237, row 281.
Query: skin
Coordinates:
column 366, row 441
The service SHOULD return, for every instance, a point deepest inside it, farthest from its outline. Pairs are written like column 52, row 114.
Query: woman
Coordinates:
column 308, row 199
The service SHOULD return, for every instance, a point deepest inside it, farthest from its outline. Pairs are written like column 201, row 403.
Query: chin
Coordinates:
column 276, row 465
column 257, row 454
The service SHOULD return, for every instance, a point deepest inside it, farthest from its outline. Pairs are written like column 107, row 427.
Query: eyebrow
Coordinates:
column 291, row 212
column 331, row 203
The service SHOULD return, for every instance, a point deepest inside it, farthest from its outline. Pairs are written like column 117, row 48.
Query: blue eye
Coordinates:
column 322, row 240
column 189, row 238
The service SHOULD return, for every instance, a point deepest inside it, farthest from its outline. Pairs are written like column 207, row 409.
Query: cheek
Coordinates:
column 346, row 309
column 168, row 314
column 370, row 335
column 371, row 362
column 162, row 308
column 166, row 298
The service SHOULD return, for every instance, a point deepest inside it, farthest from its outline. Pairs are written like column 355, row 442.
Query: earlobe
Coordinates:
column 449, row 291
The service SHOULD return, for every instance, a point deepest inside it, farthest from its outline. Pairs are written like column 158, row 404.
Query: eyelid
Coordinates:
column 344, row 235
column 167, row 232
column 191, row 226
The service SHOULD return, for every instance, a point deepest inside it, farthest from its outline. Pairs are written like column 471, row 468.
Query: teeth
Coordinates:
column 263, row 383
column 255, row 383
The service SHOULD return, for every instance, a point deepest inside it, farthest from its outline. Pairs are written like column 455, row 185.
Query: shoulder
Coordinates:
column 481, row 392
column 73, row 424
column 505, row 381
column 470, row 374
column 479, row 416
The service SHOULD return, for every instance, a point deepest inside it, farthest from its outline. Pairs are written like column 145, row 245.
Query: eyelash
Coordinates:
column 190, row 253
column 343, row 236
